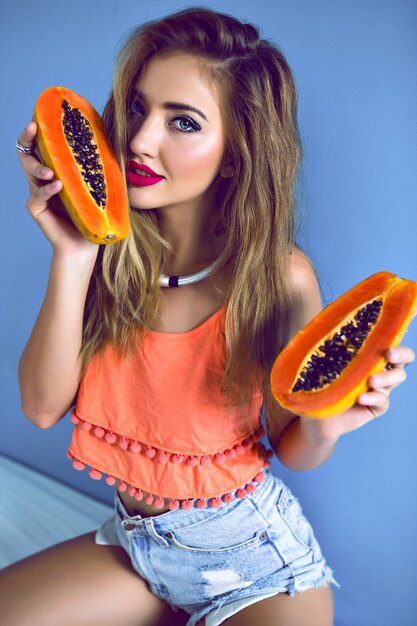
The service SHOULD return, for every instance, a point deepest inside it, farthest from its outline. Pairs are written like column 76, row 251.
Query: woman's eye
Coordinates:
column 136, row 108
column 185, row 124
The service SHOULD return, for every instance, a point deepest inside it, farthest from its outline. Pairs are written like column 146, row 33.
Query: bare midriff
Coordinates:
column 133, row 507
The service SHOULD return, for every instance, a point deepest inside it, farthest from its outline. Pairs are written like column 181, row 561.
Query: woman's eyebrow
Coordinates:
column 174, row 105
column 184, row 107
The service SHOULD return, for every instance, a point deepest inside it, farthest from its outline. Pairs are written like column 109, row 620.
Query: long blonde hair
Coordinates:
column 257, row 202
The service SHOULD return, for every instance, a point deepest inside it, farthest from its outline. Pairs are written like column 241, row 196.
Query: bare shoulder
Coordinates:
column 305, row 302
column 304, row 291
column 301, row 266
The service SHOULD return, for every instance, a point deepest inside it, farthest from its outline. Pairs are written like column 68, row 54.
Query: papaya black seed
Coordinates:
column 335, row 353
column 79, row 135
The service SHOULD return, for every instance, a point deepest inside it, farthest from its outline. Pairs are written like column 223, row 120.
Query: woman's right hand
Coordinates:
column 45, row 206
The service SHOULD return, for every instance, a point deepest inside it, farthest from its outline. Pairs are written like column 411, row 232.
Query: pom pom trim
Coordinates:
column 163, row 456
column 173, row 504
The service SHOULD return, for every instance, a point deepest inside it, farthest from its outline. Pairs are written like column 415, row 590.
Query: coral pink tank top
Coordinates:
column 160, row 423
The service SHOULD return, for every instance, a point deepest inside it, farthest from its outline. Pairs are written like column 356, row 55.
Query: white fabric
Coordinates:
column 218, row 616
column 37, row 511
column 106, row 535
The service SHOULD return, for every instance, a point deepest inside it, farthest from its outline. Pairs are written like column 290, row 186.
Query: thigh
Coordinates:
column 313, row 607
column 80, row 583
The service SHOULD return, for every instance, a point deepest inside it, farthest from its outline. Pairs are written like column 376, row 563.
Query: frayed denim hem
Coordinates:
column 214, row 616
column 323, row 581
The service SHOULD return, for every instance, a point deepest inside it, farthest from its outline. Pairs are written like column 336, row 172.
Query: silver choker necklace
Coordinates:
column 188, row 279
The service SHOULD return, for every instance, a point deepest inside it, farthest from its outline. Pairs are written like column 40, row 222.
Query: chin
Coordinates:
column 137, row 206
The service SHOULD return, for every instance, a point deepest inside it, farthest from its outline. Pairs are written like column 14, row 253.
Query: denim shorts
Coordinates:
column 214, row 562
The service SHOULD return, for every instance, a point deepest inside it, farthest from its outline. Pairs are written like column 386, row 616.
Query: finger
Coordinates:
column 27, row 137
column 400, row 355
column 28, row 140
column 387, row 379
column 375, row 400
column 31, row 163
column 39, row 199
column 37, row 171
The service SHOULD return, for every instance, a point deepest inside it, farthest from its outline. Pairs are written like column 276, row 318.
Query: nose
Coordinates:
column 146, row 138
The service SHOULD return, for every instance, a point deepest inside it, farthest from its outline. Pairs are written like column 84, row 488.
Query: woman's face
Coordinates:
column 183, row 147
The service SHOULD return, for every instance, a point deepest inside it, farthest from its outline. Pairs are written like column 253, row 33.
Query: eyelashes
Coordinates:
column 193, row 126
column 186, row 124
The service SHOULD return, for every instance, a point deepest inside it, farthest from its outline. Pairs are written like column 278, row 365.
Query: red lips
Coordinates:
column 141, row 180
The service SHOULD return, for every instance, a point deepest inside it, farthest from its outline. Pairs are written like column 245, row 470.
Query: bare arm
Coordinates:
column 294, row 445
column 49, row 368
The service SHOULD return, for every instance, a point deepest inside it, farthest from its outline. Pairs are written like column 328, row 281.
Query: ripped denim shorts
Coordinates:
column 214, row 562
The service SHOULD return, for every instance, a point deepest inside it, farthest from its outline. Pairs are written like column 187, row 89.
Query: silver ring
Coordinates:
column 22, row 149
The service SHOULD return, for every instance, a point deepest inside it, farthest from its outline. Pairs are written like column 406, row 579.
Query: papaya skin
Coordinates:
column 399, row 303
column 98, row 225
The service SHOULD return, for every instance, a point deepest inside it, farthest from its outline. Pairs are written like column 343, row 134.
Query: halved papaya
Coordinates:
column 73, row 143
column 325, row 367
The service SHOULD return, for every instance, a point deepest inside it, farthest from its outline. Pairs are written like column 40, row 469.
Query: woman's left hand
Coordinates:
column 369, row 405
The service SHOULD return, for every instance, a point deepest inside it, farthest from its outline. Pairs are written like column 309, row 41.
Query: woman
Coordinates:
column 168, row 384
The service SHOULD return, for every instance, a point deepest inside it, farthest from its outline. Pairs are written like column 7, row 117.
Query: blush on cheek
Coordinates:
column 202, row 162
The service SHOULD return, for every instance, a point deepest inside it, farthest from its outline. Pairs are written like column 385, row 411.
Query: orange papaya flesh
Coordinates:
column 72, row 142
column 325, row 367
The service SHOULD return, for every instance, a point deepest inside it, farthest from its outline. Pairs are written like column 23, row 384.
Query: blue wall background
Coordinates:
column 355, row 66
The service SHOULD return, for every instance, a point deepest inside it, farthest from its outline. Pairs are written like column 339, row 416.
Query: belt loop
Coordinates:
column 149, row 525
